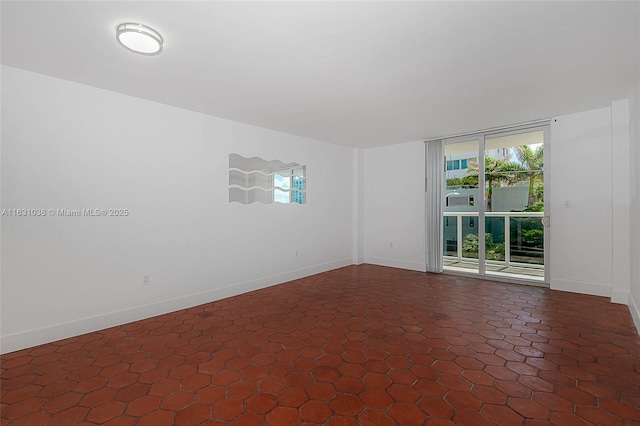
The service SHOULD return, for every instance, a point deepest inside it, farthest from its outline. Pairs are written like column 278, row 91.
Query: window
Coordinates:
column 463, row 164
column 453, row 165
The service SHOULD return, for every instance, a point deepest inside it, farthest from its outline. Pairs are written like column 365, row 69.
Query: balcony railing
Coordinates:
column 512, row 238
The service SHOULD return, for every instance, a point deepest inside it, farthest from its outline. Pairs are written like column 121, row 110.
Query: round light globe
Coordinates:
column 138, row 38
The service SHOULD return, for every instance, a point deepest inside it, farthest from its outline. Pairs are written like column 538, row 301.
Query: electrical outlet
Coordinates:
column 146, row 279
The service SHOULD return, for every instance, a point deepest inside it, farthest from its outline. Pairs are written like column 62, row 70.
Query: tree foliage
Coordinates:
column 532, row 162
column 496, row 172
column 463, row 182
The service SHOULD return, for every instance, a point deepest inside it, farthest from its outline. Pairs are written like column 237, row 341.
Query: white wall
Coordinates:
column 621, row 202
column 69, row 146
column 394, row 206
column 589, row 202
column 358, row 206
column 580, row 175
column 634, row 160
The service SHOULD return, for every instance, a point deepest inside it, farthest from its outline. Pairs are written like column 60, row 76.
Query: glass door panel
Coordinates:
column 461, row 200
column 514, row 205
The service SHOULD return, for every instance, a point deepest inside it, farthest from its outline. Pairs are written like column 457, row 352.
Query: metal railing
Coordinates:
column 507, row 235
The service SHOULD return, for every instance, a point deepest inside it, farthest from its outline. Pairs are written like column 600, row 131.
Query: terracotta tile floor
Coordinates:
column 359, row 345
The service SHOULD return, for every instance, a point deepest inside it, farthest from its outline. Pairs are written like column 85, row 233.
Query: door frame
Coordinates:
column 481, row 137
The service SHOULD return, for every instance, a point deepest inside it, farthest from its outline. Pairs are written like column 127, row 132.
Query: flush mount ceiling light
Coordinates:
column 138, row 38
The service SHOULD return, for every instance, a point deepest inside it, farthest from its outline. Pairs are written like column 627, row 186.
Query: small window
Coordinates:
column 463, row 164
column 453, row 165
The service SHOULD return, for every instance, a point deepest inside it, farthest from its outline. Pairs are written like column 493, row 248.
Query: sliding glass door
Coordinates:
column 494, row 205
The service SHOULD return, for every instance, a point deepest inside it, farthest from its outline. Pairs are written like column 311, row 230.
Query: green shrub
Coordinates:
column 471, row 244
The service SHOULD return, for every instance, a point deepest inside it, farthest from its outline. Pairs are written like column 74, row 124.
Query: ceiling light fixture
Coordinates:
column 138, row 38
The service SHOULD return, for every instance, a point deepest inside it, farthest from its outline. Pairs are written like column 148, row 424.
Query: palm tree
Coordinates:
column 532, row 161
column 496, row 172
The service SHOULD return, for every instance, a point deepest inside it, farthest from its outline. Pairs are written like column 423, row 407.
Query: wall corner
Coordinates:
column 358, row 206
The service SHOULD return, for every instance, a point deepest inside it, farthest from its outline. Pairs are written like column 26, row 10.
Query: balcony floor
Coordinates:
column 514, row 272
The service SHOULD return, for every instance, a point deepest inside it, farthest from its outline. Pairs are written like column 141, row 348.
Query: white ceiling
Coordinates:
column 354, row 73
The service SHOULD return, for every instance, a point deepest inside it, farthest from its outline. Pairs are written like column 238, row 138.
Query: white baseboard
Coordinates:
column 358, row 260
column 30, row 338
column 396, row 263
column 634, row 308
column 580, row 287
column 620, row 297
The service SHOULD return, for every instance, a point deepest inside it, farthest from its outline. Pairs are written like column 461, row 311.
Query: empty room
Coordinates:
column 328, row 213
